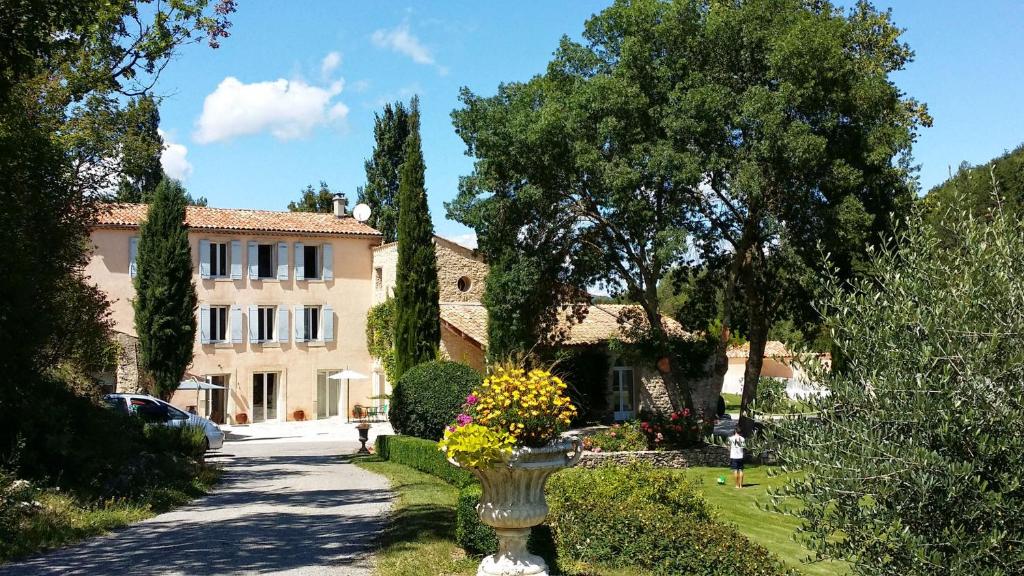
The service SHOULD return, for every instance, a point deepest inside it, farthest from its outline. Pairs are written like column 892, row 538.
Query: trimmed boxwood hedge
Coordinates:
column 428, row 397
column 422, row 455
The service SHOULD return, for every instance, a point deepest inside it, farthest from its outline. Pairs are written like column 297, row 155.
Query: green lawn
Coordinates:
column 772, row 530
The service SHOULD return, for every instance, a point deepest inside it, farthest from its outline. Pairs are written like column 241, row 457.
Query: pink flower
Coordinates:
column 471, row 399
column 612, row 434
column 674, row 416
column 451, row 428
column 463, row 419
column 659, row 437
column 686, row 411
column 597, row 449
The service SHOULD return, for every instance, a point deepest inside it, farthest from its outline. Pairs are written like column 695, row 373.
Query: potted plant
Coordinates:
column 241, row 418
column 299, row 415
column 509, row 436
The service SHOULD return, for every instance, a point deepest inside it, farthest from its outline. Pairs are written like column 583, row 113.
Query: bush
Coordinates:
column 771, row 396
column 422, row 455
column 618, row 438
column 428, row 397
column 188, row 441
column 648, row 518
column 680, row 429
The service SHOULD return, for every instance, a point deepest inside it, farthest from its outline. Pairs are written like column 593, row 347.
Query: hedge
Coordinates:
column 422, row 455
column 429, row 396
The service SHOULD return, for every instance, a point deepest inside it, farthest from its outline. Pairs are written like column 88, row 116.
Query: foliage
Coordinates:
column 311, row 200
column 422, row 455
column 771, row 396
column 680, row 429
column 380, row 335
column 427, row 397
column 974, row 188
column 511, row 408
column 417, row 311
column 624, row 437
column 381, row 193
column 585, row 371
column 141, row 146
column 923, row 410
column 188, row 440
column 165, row 302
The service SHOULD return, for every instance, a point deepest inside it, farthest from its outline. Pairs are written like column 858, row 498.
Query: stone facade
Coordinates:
column 128, row 371
column 710, row 456
column 460, row 349
column 460, row 272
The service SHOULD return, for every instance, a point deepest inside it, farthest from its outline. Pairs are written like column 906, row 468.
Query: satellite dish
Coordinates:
column 361, row 212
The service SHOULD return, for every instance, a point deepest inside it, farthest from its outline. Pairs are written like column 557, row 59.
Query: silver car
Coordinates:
column 156, row 411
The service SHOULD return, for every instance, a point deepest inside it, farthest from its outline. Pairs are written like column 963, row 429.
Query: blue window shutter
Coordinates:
column 282, row 323
column 236, row 259
column 254, row 335
column 328, row 314
column 300, row 324
column 236, row 324
column 300, row 262
column 133, row 252
column 204, row 258
column 282, row 261
column 204, row 324
column 328, row 262
column 254, row 261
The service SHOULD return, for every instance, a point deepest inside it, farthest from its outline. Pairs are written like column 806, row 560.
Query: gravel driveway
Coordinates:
column 292, row 508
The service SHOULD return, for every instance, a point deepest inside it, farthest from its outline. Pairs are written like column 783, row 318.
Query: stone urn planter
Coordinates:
column 513, row 502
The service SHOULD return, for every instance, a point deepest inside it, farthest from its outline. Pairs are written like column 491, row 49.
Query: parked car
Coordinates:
column 156, row 411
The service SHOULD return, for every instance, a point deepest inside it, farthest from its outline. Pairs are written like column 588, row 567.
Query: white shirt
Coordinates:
column 736, row 446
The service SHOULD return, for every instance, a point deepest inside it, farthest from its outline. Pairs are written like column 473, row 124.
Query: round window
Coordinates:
column 464, row 284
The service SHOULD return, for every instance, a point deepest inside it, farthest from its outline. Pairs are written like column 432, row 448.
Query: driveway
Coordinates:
column 296, row 507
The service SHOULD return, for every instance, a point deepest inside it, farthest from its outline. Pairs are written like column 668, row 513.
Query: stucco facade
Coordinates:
column 275, row 357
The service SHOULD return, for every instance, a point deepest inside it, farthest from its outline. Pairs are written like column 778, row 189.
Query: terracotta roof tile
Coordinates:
column 772, row 349
column 232, row 219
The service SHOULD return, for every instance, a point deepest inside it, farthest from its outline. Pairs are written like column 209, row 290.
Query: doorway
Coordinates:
column 216, row 400
column 264, row 396
column 328, row 395
column 623, row 392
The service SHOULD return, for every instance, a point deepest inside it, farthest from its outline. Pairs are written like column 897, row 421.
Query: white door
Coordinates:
column 623, row 393
column 264, row 396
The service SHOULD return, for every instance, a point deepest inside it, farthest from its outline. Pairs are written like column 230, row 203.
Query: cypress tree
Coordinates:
column 165, row 295
column 390, row 130
column 417, row 312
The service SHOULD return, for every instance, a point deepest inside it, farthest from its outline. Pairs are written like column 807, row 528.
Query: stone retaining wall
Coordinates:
column 713, row 456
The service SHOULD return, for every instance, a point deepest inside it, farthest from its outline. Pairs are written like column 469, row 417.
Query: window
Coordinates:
column 265, row 323
column 623, row 401
column 311, row 262
column 464, row 284
column 378, row 274
column 265, row 261
column 264, row 396
column 218, row 323
column 218, row 259
column 311, row 324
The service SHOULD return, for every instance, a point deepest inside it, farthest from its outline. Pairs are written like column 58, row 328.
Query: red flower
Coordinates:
column 686, row 411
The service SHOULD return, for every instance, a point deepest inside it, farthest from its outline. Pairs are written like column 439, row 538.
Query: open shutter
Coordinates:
column 300, row 260
column 254, row 335
column 254, row 261
column 328, row 262
column 236, row 259
column 328, row 332
column 282, row 261
column 300, row 324
column 236, row 324
column 204, row 258
column 133, row 252
column 204, row 324
column 282, row 323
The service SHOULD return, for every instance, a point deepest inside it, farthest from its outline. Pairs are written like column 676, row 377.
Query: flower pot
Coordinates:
column 299, row 415
column 513, row 502
column 241, row 418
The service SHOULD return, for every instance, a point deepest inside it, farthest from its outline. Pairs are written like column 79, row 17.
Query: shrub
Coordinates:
column 422, row 455
column 187, row 441
column 648, row 518
column 680, row 429
column 428, row 396
column 771, row 396
column 618, row 438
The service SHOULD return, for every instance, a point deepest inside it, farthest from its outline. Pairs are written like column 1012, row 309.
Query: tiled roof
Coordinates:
column 772, row 349
column 232, row 219
column 600, row 325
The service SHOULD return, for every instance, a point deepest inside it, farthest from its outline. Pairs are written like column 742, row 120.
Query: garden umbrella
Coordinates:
column 347, row 375
column 197, row 385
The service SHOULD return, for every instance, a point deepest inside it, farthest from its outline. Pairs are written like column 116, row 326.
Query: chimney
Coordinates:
column 340, row 205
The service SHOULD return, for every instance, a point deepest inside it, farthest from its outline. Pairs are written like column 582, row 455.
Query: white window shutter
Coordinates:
column 328, row 252
column 254, row 335
column 282, row 261
column 328, row 331
column 300, row 262
column 282, row 323
column 254, row 261
column 300, row 323
column 236, row 324
column 204, row 258
column 133, row 252
column 236, row 259
column 204, row 324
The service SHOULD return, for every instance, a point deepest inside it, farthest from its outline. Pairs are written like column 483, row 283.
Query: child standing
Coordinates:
column 736, row 443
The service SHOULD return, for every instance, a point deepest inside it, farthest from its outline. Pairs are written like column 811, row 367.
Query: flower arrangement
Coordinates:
column 511, row 408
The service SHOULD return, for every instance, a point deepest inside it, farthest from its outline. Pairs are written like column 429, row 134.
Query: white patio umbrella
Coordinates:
column 348, row 375
column 197, row 385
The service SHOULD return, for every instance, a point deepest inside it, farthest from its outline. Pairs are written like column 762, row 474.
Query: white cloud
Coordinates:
column 174, row 158
column 329, row 64
column 399, row 39
column 467, row 240
column 286, row 109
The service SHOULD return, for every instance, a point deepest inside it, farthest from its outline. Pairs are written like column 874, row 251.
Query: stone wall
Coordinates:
column 128, row 372
column 710, row 456
column 455, row 263
column 457, row 348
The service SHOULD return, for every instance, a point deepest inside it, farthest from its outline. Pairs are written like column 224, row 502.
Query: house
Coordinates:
column 779, row 362
column 282, row 298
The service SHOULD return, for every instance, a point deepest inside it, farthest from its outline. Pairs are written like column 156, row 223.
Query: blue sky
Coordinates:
column 288, row 99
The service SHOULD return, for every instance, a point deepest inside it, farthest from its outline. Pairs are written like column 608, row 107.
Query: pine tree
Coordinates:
column 141, row 146
column 321, row 200
column 417, row 312
column 165, row 295
column 390, row 131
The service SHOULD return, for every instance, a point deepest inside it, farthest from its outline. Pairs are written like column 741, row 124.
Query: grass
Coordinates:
column 772, row 530
column 732, row 402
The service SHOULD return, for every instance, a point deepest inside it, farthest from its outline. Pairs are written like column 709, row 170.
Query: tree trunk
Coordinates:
column 758, row 339
column 740, row 260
